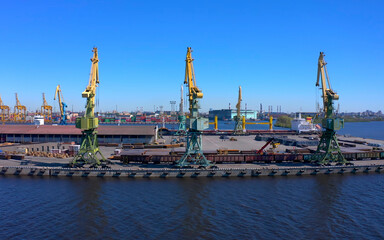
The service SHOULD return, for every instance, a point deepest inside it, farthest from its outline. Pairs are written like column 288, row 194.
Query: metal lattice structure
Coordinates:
column 194, row 149
column 89, row 152
column 328, row 149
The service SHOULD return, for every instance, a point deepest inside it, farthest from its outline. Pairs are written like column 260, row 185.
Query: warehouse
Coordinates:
column 69, row 133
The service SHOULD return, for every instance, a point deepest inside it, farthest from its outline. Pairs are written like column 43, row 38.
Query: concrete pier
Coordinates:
column 222, row 170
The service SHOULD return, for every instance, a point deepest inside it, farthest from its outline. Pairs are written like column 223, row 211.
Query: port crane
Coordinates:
column 89, row 152
column 195, row 123
column 181, row 117
column 20, row 111
column 63, row 106
column 238, row 118
column 4, row 111
column 328, row 149
column 46, row 110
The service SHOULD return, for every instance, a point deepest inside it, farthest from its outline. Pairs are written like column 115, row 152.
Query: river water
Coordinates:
column 306, row 207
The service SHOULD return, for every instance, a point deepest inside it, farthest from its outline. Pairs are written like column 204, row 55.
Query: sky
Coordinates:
column 270, row 48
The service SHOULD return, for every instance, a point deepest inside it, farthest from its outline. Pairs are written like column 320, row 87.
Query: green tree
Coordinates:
column 283, row 121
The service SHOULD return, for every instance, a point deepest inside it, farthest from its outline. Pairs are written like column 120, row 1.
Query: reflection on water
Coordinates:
column 304, row 207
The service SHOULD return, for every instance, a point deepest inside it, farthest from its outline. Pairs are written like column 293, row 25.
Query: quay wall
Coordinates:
column 185, row 173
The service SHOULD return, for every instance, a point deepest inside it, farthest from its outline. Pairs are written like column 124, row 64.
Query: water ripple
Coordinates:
column 316, row 207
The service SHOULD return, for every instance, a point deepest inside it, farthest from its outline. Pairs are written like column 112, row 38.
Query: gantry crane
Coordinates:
column 63, row 106
column 4, row 112
column 238, row 118
column 328, row 149
column 270, row 123
column 89, row 152
column 46, row 110
column 20, row 111
column 194, row 151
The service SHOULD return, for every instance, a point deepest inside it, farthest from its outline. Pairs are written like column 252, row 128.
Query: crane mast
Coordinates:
column 46, row 110
column 328, row 149
column 89, row 152
column 62, row 105
column 193, row 152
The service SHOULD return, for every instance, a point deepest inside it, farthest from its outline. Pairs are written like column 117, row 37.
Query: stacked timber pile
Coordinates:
column 17, row 155
column 48, row 154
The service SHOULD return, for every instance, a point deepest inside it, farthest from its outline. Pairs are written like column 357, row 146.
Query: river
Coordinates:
column 306, row 207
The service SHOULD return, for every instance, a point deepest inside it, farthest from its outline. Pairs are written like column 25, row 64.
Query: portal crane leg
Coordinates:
column 194, row 151
column 328, row 150
column 89, row 152
column 238, row 126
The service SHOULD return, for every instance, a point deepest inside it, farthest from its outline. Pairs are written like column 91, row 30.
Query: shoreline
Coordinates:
column 223, row 170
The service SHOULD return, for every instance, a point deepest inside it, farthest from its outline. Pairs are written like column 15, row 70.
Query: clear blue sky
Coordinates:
column 270, row 48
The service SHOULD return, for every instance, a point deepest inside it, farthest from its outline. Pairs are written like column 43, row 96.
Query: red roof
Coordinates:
column 72, row 130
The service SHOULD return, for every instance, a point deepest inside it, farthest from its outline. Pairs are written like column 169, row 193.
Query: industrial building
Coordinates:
column 228, row 114
column 69, row 133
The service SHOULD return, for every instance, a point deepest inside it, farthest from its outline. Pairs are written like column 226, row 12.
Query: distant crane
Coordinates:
column 269, row 123
column 328, row 149
column 46, row 110
column 238, row 118
column 89, row 152
column 181, row 117
column 20, row 111
column 194, row 151
column 4, row 112
column 63, row 106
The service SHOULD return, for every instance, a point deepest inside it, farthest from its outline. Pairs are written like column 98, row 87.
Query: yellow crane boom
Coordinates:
column 58, row 94
column 62, row 105
column 322, row 74
column 90, row 90
column 238, row 105
column 194, row 92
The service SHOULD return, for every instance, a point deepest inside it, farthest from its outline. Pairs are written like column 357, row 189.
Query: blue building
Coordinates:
column 228, row 114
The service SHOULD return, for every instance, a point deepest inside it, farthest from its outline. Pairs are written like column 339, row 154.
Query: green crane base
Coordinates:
column 89, row 152
column 328, row 150
column 193, row 152
column 238, row 126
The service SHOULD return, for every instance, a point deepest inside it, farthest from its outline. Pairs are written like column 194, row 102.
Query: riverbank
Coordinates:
column 32, row 168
